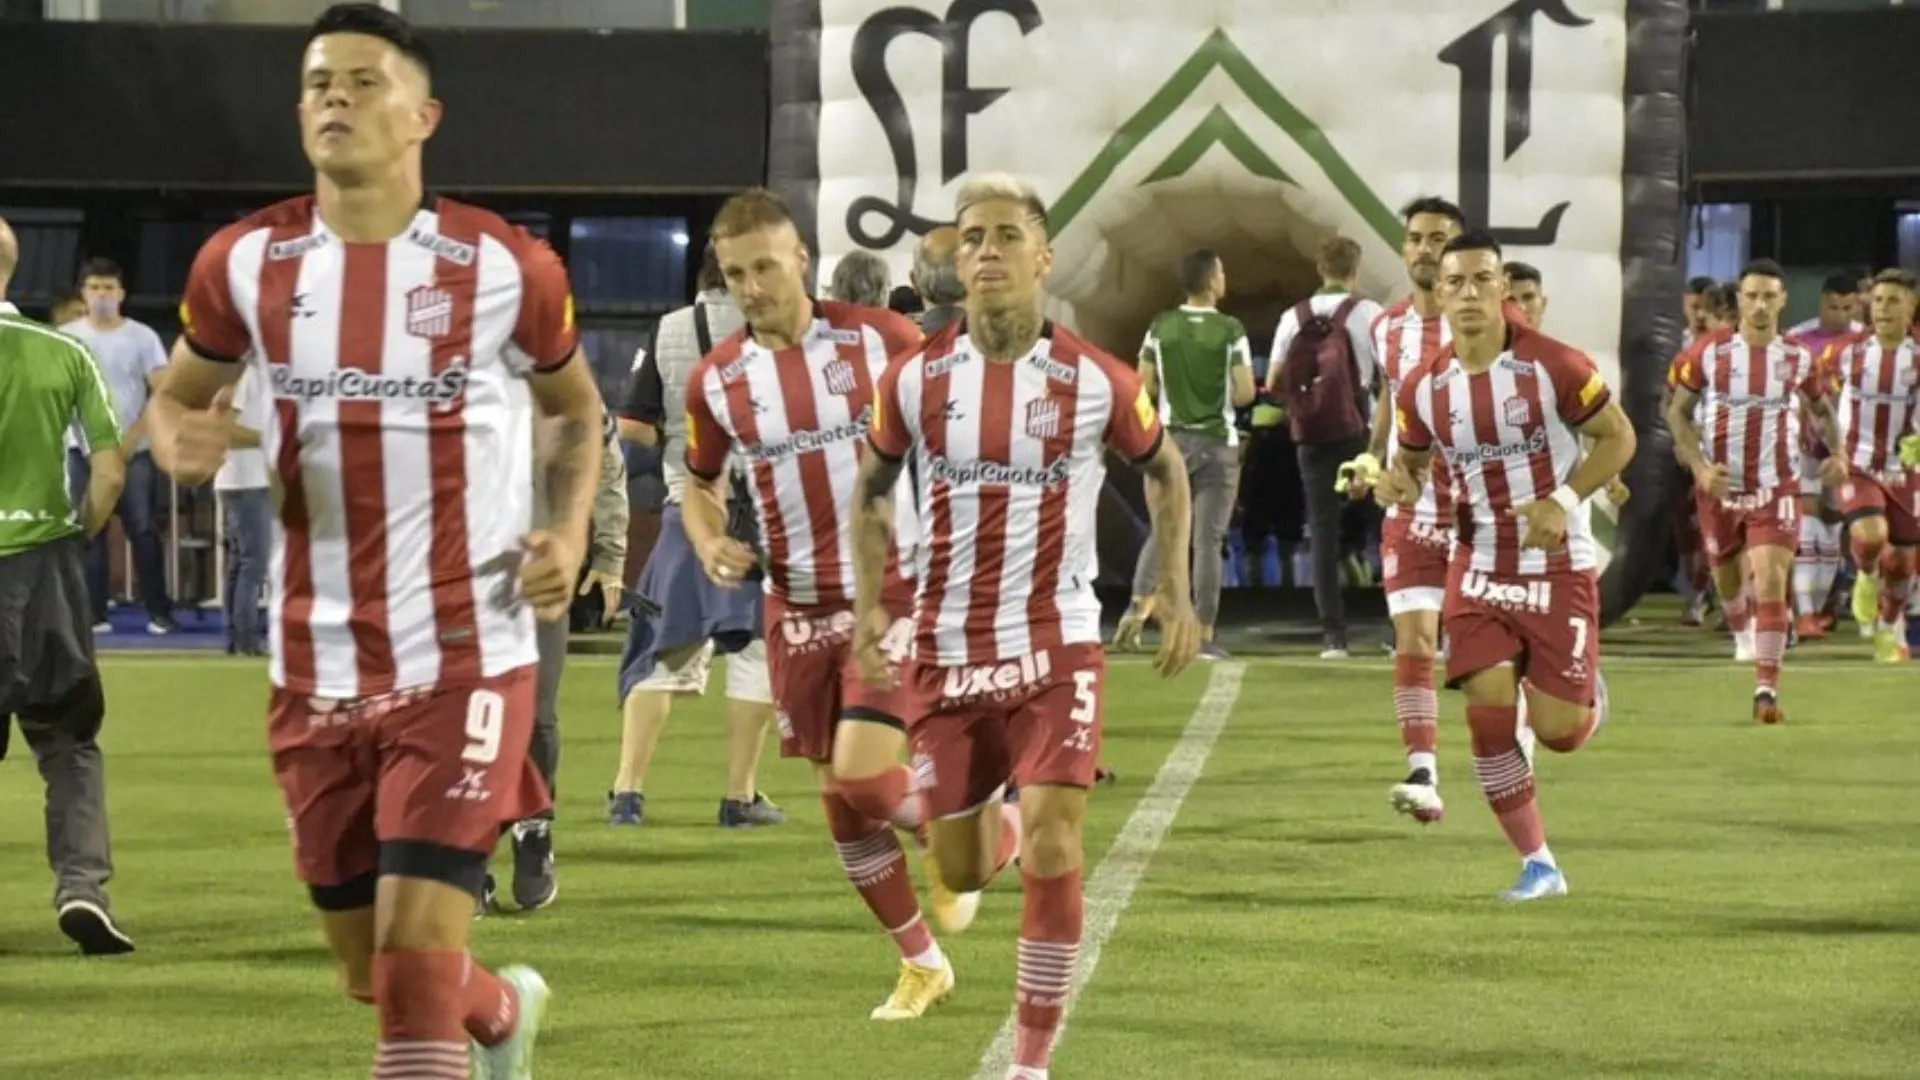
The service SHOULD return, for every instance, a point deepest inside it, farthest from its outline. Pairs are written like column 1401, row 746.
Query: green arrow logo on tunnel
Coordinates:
column 1218, row 52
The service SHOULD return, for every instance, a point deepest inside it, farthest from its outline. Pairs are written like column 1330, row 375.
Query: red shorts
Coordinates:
column 815, row 679
column 442, row 765
column 1032, row 720
column 1886, row 495
column 1740, row 522
column 1413, row 558
column 1547, row 625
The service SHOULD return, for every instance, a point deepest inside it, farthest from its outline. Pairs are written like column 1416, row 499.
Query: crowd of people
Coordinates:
column 886, row 527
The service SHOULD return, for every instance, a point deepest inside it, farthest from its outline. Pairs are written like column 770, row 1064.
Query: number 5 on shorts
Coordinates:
column 1084, row 702
column 486, row 720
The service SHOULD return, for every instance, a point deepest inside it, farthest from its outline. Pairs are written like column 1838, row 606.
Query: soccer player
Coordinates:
column 1877, row 379
column 1528, row 291
column 1507, row 407
column 404, row 337
column 1417, row 538
column 1005, row 420
column 1744, row 455
column 48, row 675
column 1817, row 557
column 794, row 392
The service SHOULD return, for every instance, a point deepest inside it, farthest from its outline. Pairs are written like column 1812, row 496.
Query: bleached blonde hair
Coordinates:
column 998, row 187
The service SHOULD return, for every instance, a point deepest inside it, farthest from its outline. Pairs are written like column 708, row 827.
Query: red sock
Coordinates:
column 887, row 797
column 1050, row 928
column 493, row 1006
column 1505, row 777
column 877, row 867
column 420, row 999
column 1770, row 625
column 1896, row 577
column 1416, row 703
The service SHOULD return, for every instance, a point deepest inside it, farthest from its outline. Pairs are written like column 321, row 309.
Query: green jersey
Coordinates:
column 47, row 379
column 1195, row 350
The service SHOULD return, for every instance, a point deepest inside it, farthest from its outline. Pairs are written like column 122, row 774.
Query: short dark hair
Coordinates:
column 1434, row 204
column 1519, row 271
column 1698, row 286
column 106, row 268
column 1906, row 279
column 374, row 21
column 1473, row 240
column 1763, row 268
column 1723, row 299
column 1840, row 285
column 1196, row 271
column 1857, row 272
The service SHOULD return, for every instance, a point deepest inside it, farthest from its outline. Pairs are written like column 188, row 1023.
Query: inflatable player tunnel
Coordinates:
column 1153, row 127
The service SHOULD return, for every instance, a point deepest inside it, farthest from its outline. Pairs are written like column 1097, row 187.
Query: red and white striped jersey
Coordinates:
column 1750, row 400
column 1510, row 436
column 1403, row 339
column 1011, row 459
column 400, row 438
column 1878, row 400
column 799, row 417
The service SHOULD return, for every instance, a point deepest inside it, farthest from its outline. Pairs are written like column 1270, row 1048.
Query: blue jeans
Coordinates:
column 136, row 518
column 247, row 514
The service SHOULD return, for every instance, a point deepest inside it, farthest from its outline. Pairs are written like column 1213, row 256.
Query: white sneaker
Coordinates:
column 1333, row 654
column 513, row 1059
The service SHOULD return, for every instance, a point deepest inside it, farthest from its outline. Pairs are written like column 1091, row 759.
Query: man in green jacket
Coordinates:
column 48, row 678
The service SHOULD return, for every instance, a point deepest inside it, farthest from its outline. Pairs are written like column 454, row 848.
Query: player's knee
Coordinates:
column 426, row 920
column 1051, row 847
column 876, row 797
column 1415, row 636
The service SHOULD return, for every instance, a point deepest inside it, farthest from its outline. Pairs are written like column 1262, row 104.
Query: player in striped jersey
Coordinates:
column 1416, row 540
column 1877, row 379
column 1508, row 408
column 1007, row 419
column 410, row 342
column 1744, row 454
column 793, row 392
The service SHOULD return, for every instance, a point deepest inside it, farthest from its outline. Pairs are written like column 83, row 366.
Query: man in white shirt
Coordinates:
column 131, row 356
column 246, row 513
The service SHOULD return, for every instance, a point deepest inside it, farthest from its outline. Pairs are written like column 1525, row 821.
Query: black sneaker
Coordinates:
column 739, row 814
column 626, row 808
column 534, row 883
column 92, row 928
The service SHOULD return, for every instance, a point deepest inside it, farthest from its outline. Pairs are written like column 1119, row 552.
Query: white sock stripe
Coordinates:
column 870, row 860
column 1503, row 776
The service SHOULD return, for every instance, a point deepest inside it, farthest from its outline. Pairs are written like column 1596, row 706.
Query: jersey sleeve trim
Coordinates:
column 213, row 355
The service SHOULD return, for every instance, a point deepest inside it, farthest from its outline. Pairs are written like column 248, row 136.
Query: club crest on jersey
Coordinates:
column 1518, row 411
column 429, row 311
column 1043, row 418
column 1783, row 369
column 839, row 377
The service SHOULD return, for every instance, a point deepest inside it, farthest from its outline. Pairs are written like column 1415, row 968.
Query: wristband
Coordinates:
column 1566, row 498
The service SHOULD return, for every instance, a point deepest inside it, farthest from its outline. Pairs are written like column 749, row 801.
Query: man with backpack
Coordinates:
column 1196, row 362
column 1323, row 370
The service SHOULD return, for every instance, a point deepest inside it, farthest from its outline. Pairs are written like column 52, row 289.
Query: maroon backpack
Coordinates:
column 1319, row 381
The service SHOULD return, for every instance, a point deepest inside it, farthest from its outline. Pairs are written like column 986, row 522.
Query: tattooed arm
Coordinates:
column 567, row 395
